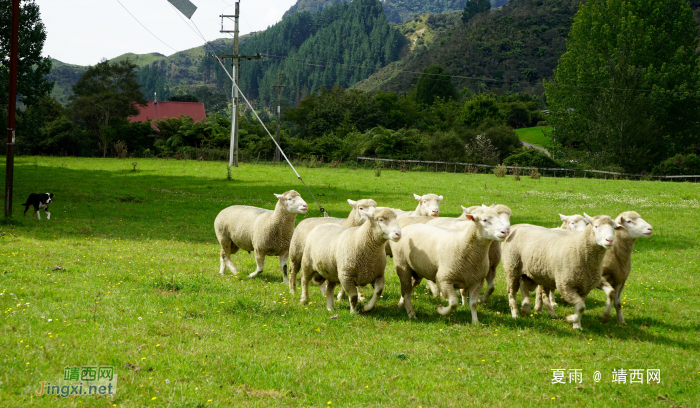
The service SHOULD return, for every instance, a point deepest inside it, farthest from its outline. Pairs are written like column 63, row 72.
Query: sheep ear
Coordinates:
column 471, row 217
column 619, row 227
column 562, row 217
column 464, row 209
column 278, row 195
column 416, row 196
column 352, row 203
column 364, row 214
column 439, row 198
column 587, row 217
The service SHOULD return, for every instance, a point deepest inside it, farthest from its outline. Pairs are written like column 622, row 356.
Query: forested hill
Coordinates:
column 340, row 45
column 511, row 48
column 397, row 11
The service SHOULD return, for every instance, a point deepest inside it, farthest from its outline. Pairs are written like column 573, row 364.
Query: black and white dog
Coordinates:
column 40, row 202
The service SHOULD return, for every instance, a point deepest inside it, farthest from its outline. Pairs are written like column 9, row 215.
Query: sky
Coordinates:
column 82, row 32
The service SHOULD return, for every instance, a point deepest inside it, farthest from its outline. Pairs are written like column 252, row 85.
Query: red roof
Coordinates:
column 166, row 109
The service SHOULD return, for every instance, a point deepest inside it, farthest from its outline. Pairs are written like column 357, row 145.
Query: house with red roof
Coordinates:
column 167, row 109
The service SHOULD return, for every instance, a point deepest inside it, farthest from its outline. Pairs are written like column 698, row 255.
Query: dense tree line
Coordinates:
column 340, row 45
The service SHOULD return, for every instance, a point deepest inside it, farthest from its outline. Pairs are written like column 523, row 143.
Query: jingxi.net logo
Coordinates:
column 85, row 380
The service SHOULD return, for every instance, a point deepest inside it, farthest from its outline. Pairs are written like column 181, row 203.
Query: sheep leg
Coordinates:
column 283, row 267
column 512, row 289
column 473, row 299
column 433, row 288
column 378, row 289
column 609, row 299
column 360, row 295
column 351, row 290
column 490, row 278
column 449, row 291
column 525, row 293
column 260, row 261
column 341, row 293
column 227, row 248
column 407, row 285
column 463, row 294
column 579, row 306
column 618, row 304
column 552, row 301
column 293, row 270
column 330, row 287
column 545, row 293
column 538, row 298
column 305, row 278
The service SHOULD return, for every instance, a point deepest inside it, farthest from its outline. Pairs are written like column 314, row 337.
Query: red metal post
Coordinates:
column 12, row 109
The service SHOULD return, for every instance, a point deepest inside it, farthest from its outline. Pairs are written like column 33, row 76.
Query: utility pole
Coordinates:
column 235, row 67
column 12, row 109
column 279, row 87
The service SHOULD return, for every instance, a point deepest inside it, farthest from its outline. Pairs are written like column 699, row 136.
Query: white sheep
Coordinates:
column 453, row 258
column 296, row 245
column 574, row 222
column 265, row 232
column 571, row 262
column 618, row 261
column 428, row 206
column 352, row 256
column 494, row 251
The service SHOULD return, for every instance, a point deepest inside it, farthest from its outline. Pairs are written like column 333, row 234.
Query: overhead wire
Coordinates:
column 144, row 27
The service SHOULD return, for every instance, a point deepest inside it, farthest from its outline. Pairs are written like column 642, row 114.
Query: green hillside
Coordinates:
column 508, row 49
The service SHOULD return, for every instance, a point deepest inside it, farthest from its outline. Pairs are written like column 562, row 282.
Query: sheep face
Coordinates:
column 385, row 218
column 292, row 202
column 604, row 228
column 634, row 224
column 574, row 222
column 429, row 203
column 491, row 224
column 367, row 205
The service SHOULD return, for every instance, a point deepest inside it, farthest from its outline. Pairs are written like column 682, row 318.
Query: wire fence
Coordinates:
column 453, row 167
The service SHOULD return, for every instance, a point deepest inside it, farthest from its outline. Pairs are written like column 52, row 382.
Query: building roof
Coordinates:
column 167, row 109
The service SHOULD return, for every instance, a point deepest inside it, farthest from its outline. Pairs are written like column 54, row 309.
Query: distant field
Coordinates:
column 140, row 292
column 535, row 135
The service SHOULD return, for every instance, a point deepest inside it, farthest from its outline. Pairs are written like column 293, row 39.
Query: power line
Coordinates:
column 144, row 27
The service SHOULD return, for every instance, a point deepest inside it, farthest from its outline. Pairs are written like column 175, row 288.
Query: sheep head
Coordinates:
column 384, row 218
column 292, row 202
column 574, row 222
column 604, row 229
column 429, row 204
column 634, row 224
column 367, row 205
column 490, row 223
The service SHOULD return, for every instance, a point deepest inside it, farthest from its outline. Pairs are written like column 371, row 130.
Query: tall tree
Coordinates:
column 434, row 82
column 106, row 95
column 626, row 88
column 32, row 68
column 474, row 7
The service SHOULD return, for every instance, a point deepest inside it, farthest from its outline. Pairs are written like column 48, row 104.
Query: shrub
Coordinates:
column 678, row 165
column 534, row 173
column 500, row 170
column 531, row 158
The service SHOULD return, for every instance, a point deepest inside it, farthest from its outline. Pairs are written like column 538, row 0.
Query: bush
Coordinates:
column 500, row 171
column 445, row 146
column 531, row 158
column 678, row 165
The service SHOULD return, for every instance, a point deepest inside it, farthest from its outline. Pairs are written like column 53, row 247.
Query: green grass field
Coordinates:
column 140, row 291
column 538, row 135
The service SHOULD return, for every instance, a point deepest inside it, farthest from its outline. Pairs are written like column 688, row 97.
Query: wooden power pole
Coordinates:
column 12, row 108
column 279, row 87
column 235, row 65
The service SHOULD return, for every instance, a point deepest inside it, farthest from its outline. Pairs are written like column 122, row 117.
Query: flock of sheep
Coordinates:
column 450, row 253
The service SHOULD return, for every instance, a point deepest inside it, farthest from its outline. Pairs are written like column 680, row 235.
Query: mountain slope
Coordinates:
column 508, row 49
column 397, row 11
column 341, row 45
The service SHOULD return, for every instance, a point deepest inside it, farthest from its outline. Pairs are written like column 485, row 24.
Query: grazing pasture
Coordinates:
column 538, row 135
column 125, row 274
